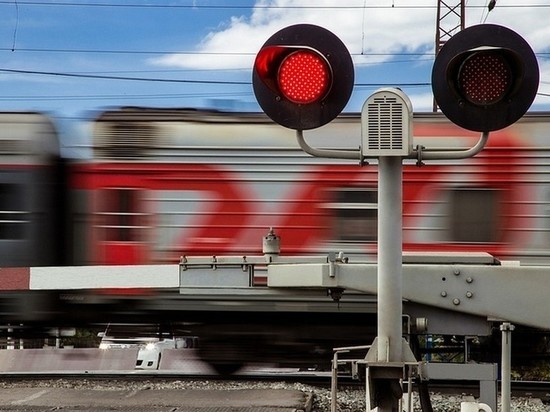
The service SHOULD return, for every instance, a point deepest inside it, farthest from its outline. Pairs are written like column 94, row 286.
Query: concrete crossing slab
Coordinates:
column 203, row 400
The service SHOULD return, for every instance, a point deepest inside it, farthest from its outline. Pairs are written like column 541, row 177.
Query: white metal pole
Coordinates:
column 390, row 250
column 506, row 366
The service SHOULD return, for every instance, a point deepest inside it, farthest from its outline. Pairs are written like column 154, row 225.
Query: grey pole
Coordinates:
column 390, row 329
column 506, row 366
column 386, row 132
column 390, row 200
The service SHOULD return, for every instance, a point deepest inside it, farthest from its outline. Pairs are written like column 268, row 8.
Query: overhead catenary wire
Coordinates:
column 490, row 5
column 186, row 52
column 359, row 85
column 386, row 58
column 168, row 80
column 137, row 79
column 16, row 25
column 429, row 54
column 104, row 97
column 193, row 6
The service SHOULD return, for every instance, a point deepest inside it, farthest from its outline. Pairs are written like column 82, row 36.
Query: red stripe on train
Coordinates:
column 15, row 278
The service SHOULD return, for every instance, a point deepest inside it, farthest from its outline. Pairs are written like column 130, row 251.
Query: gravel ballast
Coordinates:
column 349, row 399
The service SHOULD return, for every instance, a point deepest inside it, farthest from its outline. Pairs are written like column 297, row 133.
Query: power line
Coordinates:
column 106, row 51
column 182, row 52
column 203, row 6
column 120, row 96
column 130, row 78
column 168, row 96
column 237, row 6
column 191, row 81
column 205, row 53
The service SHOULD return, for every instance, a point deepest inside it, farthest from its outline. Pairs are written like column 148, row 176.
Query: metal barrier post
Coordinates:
column 334, row 383
column 506, row 367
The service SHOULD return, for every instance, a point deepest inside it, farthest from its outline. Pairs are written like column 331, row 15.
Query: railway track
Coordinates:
column 520, row 389
column 444, row 395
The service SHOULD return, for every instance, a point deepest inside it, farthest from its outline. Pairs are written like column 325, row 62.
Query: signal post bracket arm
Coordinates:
column 509, row 292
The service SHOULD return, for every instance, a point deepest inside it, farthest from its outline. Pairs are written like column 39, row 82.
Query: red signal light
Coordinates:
column 485, row 78
column 303, row 76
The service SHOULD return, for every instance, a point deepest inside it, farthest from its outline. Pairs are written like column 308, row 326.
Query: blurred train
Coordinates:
column 161, row 183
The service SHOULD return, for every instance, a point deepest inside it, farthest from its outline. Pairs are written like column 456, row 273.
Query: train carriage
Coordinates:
column 165, row 182
column 31, row 193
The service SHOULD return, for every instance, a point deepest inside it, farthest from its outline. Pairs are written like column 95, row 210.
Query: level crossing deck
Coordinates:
column 94, row 399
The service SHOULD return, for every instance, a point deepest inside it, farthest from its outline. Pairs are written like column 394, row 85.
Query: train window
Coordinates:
column 120, row 214
column 12, row 216
column 474, row 215
column 355, row 212
column 120, row 140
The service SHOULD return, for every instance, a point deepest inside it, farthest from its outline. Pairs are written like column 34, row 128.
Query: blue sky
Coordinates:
column 176, row 48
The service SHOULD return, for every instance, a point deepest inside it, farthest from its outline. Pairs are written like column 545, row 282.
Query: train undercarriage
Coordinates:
column 295, row 329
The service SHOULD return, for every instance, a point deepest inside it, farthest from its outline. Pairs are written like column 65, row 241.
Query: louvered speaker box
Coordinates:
column 386, row 124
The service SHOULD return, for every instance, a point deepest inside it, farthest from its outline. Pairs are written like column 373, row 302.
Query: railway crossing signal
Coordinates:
column 485, row 77
column 303, row 76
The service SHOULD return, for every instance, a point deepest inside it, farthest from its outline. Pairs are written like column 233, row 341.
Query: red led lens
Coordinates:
column 485, row 78
column 304, row 77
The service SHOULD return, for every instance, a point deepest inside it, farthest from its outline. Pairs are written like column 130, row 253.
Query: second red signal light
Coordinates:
column 485, row 77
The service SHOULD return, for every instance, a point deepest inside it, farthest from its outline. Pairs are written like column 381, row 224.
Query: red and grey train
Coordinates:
column 166, row 182
column 162, row 183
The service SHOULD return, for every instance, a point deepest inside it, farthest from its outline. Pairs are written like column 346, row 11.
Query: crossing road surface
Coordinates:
column 174, row 400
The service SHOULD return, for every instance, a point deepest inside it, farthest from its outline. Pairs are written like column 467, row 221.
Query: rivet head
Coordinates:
column 456, row 301
column 469, row 280
column 444, row 294
column 469, row 295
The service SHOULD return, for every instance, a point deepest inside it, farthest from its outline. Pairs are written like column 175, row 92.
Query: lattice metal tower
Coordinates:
column 450, row 20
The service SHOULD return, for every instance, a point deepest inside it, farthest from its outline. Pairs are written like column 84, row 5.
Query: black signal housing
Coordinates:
column 485, row 78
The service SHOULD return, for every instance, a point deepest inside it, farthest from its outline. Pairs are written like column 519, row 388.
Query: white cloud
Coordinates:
column 530, row 21
column 543, row 99
column 370, row 31
column 378, row 28
column 422, row 102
